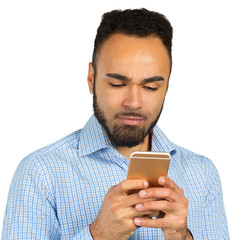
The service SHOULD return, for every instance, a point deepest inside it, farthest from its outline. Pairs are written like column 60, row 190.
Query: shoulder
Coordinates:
column 197, row 165
column 196, row 174
column 69, row 141
column 183, row 159
column 187, row 156
column 49, row 157
column 40, row 168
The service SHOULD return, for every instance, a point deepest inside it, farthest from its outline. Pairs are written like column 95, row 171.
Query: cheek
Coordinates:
column 153, row 102
column 108, row 101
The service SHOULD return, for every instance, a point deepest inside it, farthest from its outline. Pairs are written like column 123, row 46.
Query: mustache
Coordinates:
column 131, row 114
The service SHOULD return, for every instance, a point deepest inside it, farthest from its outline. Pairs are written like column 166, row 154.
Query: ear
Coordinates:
column 90, row 77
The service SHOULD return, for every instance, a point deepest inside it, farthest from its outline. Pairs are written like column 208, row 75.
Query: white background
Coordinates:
column 45, row 47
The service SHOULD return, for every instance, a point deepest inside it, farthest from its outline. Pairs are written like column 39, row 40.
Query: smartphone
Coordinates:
column 148, row 166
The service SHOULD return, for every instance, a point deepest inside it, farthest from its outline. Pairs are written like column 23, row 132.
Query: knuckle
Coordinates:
column 114, row 207
column 186, row 202
column 151, row 192
column 168, row 205
column 146, row 221
column 108, row 194
column 109, row 200
column 159, row 224
column 181, row 191
column 111, row 189
column 181, row 223
column 130, row 226
column 186, row 212
column 122, row 185
column 172, row 182
column 168, row 192
column 149, row 205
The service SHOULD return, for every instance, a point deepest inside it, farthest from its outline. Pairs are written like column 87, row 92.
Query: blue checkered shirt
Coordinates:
column 57, row 191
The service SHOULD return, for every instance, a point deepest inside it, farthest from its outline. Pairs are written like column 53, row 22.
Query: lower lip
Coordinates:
column 129, row 121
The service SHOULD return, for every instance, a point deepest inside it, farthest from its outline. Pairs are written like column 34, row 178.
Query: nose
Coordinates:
column 133, row 98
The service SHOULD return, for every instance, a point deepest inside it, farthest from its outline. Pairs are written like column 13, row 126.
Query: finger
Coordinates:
column 152, row 223
column 160, row 193
column 128, row 185
column 133, row 213
column 134, row 199
column 161, row 222
column 144, row 214
column 163, row 206
column 151, row 213
column 168, row 183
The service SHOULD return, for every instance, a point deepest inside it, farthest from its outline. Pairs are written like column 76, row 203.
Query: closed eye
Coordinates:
column 117, row 85
column 150, row 88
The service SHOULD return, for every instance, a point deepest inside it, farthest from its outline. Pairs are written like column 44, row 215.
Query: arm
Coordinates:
column 31, row 211
column 215, row 224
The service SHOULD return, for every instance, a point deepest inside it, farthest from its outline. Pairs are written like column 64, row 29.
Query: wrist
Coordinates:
column 94, row 233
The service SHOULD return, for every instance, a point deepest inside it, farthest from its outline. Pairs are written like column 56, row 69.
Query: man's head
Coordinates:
column 130, row 72
column 137, row 22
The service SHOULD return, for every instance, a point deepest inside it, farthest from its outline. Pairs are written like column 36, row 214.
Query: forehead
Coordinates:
column 120, row 52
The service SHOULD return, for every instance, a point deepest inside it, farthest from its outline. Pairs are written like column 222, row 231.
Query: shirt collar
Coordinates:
column 160, row 142
column 93, row 138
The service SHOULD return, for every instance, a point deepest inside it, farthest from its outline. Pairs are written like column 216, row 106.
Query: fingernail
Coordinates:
column 142, row 193
column 137, row 221
column 138, row 206
column 146, row 184
column 162, row 180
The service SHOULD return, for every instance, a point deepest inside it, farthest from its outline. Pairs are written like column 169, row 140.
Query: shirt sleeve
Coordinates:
column 31, row 207
column 215, row 223
column 83, row 235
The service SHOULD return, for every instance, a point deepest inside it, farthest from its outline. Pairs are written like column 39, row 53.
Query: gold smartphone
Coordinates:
column 148, row 166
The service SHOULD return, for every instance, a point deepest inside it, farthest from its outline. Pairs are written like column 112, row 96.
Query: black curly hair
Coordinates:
column 137, row 22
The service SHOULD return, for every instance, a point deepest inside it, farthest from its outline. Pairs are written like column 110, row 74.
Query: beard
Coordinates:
column 123, row 135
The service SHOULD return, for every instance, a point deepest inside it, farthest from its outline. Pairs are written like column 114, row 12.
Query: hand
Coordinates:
column 115, row 219
column 174, row 206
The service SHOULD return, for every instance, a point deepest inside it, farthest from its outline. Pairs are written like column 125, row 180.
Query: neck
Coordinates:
column 145, row 146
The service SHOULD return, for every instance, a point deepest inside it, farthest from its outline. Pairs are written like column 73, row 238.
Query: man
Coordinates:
column 76, row 187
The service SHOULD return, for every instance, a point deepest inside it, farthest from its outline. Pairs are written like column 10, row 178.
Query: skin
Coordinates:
column 123, row 65
column 133, row 58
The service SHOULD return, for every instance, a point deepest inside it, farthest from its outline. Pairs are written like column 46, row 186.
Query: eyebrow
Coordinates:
column 124, row 78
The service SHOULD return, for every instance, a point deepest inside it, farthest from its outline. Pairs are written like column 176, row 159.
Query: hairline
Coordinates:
column 97, row 52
